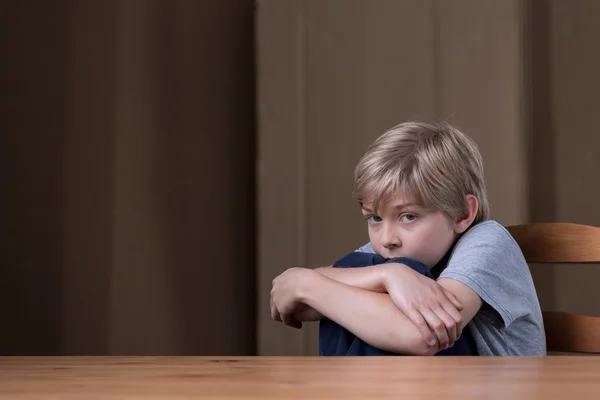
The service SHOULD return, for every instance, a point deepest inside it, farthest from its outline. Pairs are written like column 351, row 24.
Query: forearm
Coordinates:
column 367, row 278
column 308, row 314
column 371, row 316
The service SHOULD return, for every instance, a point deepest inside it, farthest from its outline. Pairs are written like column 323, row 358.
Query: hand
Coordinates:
column 285, row 296
column 304, row 314
column 434, row 310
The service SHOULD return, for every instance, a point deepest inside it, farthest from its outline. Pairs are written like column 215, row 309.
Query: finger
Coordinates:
column 437, row 326
column 451, row 308
column 454, row 300
column 417, row 319
column 452, row 328
column 275, row 313
column 289, row 320
column 456, row 316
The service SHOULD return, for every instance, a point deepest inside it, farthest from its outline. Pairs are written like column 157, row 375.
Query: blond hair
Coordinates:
column 433, row 165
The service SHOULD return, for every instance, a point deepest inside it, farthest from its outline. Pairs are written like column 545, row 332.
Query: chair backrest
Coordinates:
column 563, row 243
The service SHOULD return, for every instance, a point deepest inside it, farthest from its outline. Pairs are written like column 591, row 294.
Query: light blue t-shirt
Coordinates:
column 489, row 261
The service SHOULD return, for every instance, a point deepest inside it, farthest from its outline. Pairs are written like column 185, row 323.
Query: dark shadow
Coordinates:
column 31, row 198
column 88, row 174
column 207, row 171
column 541, row 149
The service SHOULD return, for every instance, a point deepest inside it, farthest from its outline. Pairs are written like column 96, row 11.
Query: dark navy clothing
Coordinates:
column 335, row 340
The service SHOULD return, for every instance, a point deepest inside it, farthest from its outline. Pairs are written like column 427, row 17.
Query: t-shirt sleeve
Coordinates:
column 367, row 248
column 489, row 261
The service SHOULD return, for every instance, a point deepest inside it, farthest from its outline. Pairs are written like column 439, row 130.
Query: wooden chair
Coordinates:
column 563, row 243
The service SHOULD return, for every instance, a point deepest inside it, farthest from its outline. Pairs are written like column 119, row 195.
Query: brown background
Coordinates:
column 132, row 220
column 127, row 197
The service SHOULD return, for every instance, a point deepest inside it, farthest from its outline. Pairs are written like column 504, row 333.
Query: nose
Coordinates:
column 389, row 238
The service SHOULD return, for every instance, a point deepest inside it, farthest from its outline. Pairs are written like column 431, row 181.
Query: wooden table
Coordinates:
column 300, row 378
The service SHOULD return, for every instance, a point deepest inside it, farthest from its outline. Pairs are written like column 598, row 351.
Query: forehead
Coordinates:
column 394, row 200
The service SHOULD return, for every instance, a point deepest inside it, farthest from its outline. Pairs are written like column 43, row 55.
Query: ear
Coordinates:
column 464, row 222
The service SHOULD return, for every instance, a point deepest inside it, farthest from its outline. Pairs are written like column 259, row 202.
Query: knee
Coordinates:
column 358, row 259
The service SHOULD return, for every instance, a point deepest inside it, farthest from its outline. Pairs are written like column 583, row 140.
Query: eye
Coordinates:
column 408, row 217
column 373, row 219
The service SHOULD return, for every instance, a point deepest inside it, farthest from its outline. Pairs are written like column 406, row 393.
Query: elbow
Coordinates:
column 420, row 347
column 415, row 345
column 425, row 349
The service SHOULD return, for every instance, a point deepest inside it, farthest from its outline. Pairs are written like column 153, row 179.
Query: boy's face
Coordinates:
column 400, row 229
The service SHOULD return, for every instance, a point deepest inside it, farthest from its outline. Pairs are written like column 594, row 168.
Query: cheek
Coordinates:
column 430, row 244
column 438, row 239
column 374, row 238
column 441, row 241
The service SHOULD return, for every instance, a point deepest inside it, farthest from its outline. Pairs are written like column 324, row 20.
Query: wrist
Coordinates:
column 386, row 273
column 305, row 284
column 391, row 271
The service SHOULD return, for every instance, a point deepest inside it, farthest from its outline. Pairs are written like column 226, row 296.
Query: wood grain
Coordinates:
column 557, row 242
column 568, row 332
column 563, row 243
column 300, row 378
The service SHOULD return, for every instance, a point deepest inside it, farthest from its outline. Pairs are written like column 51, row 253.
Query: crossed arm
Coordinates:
column 389, row 306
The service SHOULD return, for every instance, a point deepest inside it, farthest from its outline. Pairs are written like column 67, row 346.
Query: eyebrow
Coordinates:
column 398, row 207
column 405, row 205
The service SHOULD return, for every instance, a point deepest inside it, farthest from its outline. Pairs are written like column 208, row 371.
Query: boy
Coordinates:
column 421, row 189
column 335, row 340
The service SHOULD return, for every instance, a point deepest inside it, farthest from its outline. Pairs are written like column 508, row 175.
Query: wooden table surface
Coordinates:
column 300, row 378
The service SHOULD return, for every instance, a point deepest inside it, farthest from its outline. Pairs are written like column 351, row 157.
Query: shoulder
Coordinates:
column 488, row 239
column 487, row 248
column 488, row 260
column 367, row 248
column 489, row 230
